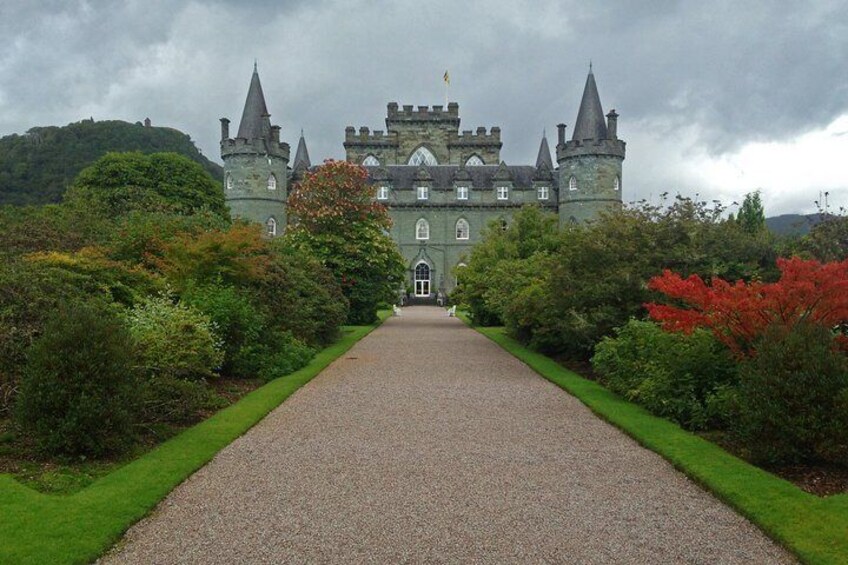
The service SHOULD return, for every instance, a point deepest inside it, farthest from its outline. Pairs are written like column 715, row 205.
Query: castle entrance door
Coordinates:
column 422, row 279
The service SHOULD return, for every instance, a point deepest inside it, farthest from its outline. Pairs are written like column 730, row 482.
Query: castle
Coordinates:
column 442, row 186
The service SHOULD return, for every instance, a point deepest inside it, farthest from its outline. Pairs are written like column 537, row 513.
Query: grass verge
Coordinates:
column 43, row 528
column 814, row 529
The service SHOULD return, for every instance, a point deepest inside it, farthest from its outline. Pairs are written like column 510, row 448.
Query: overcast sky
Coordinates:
column 716, row 98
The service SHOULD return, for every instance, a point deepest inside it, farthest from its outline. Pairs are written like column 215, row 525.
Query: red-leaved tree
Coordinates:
column 739, row 313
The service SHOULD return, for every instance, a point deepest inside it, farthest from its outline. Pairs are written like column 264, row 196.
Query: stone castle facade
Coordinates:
column 442, row 185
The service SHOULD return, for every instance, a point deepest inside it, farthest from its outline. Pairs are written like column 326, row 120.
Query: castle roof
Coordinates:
column 255, row 120
column 590, row 122
column 544, row 157
column 444, row 176
column 302, row 154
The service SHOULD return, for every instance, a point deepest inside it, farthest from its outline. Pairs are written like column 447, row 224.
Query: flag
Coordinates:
column 447, row 78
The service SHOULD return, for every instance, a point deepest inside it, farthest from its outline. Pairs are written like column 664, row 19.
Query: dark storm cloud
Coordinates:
column 688, row 78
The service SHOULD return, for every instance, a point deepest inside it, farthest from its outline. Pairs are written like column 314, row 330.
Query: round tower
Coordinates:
column 256, row 164
column 590, row 163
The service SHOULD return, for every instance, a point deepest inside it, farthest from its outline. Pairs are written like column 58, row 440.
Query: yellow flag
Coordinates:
column 447, row 78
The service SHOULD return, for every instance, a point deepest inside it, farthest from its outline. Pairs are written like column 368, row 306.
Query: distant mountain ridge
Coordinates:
column 793, row 224
column 38, row 166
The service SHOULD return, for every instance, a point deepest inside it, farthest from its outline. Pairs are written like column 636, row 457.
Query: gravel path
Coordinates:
column 428, row 443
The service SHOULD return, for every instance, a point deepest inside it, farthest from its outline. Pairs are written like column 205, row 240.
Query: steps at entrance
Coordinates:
column 421, row 300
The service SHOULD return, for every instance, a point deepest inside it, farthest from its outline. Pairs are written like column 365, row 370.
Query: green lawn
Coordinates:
column 43, row 528
column 815, row 529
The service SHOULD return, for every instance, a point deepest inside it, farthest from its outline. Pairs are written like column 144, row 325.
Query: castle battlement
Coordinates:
column 366, row 137
column 479, row 137
column 241, row 146
column 409, row 113
column 606, row 147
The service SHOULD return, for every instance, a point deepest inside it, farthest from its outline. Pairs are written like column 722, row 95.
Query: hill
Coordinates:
column 37, row 167
column 793, row 224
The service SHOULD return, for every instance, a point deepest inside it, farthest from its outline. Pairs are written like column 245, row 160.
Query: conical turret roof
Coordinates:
column 301, row 157
column 544, row 157
column 255, row 122
column 590, row 118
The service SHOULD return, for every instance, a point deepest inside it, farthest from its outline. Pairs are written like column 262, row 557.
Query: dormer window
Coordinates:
column 503, row 193
column 371, row 161
column 462, row 192
column 423, row 192
column 542, row 192
column 272, row 182
column 572, row 183
column 474, row 161
column 271, row 227
column 383, row 193
column 229, row 181
column 617, row 184
column 422, row 156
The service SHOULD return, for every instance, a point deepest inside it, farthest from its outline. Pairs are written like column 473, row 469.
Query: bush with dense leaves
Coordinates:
column 174, row 340
column 793, row 396
column 685, row 378
column 238, row 323
column 166, row 399
column 79, row 394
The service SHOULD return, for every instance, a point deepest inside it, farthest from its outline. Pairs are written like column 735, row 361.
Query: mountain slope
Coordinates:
column 37, row 167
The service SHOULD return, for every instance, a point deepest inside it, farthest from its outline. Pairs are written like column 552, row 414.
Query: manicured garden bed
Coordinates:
column 815, row 529
column 77, row 528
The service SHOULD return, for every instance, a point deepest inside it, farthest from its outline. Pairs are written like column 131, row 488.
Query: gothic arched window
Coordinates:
column 462, row 229
column 422, row 155
column 229, row 181
column 272, row 182
column 271, row 227
column 617, row 185
column 572, row 183
column 371, row 161
column 422, row 229
column 474, row 161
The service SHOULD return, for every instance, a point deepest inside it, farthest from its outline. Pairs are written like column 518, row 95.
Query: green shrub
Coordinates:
column 174, row 340
column 237, row 322
column 278, row 355
column 685, row 378
column 175, row 401
column 79, row 393
column 793, row 397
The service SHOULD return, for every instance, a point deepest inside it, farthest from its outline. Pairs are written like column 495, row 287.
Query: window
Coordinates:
column 504, row 225
column 229, row 182
column 462, row 229
column 462, row 193
column 572, row 183
column 271, row 227
column 423, row 193
column 272, row 182
column 383, row 193
column 456, row 273
column 617, row 184
column 422, row 155
column 422, row 279
column 371, row 161
column 422, row 229
column 542, row 192
column 474, row 161
column 503, row 193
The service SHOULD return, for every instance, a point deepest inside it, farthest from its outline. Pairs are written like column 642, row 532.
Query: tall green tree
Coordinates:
column 334, row 216
column 751, row 216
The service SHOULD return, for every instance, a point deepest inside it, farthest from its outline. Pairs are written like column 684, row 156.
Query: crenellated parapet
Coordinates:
column 410, row 114
column 239, row 146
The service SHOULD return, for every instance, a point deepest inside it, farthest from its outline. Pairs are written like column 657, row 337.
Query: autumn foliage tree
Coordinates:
column 334, row 215
column 739, row 313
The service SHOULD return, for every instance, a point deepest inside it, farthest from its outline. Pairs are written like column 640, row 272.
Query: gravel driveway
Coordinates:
column 428, row 443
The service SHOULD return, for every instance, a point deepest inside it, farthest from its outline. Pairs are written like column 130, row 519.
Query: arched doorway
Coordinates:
column 422, row 279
